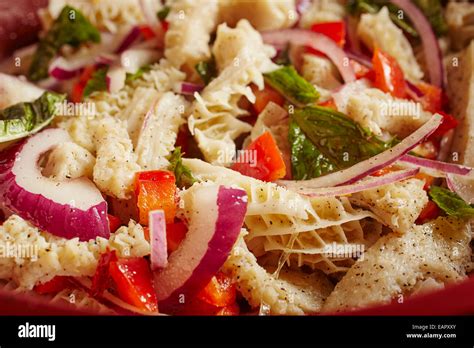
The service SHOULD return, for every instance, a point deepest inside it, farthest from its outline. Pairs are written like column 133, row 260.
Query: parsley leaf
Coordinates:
column 184, row 177
column 207, row 70
column 163, row 13
column 70, row 28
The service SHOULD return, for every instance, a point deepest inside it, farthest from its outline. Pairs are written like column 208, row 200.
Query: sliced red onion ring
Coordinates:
column 62, row 69
column 371, row 165
column 133, row 59
column 149, row 12
column 217, row 217
column 362, row 185
column 463, row 186
column 132, row 36
column 443, row 167
column 159, row 252
column 316, row 41
column 431, row 47
column 188, row 88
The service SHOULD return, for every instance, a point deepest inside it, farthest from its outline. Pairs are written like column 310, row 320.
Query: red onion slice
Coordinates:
column 158, row 243
column 216, row 219
column 188, row 88
column 371, row 165
column 129, row 39
column 463, row 186
column 362, row 185
column 68, row 209
column 115, row 79
column 443, row 167
column 316, row 41
column 431, row 47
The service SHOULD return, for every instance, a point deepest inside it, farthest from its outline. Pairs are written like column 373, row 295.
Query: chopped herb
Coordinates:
column 97, row 82
column 207, row 70
column 70, row 28
column 292, row 86
column 451, row 203
column 184, row 177
column 163, row 13
column 23, row 119
column 139, row 73
column 323, row 140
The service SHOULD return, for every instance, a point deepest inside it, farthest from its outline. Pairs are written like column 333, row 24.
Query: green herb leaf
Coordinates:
column 139, row 73
column 97, row 82
column 451, row 203
column 22, row 119
column 163, row 13
column 70, row 28
column 338, row 142
column 184, row 177
column 306, row 160
column 207, row 70
column 290, row 84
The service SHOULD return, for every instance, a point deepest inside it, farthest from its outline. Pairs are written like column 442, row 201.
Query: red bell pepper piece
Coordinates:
column 264, row 160
column 361, row 71
column 219, row 292
column 264, row 96
column 78, row 88
column 147, row 32
column 101, row 280
column 336, row 31
column 389, row 75
column 114, row 222
column 430, row 211
column 134, row 282
column 448, row 123
column 432, row 99
column 329, row 104
column 428, row 179
column 175, row 233
column 55, row 285
column 156, row 190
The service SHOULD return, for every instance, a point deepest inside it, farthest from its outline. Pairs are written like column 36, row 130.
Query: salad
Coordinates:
column 234, row 157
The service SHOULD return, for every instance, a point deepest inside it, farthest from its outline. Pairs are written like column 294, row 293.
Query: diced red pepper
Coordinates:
column 336, row 31
column 264, row 160
column 265, row 96
column 428, row 179
column 448, row 123
column 101, row 280
column 220, row 291
column 361, row 71
column 329, row 104
column 147, row 32
column 134, row 282
column 165, row 25
column 430, row 211
column 175, row 233
column 231, row 310
column 55, row 285
column 156, row 190
column 432, row 99
column 384, row 171
column 114, row 223
column 389, row 75
column 78, row 88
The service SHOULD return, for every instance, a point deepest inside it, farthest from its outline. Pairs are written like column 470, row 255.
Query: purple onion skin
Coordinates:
column 232, row 206
column 62, row 220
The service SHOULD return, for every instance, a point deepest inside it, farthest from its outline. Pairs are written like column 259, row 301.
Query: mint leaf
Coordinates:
column 184, row 177
column 163, row 13
column 70, row 28
column 292, row 86
column 338, row 142
column 207, row 70
column 306, row 160
column 451, row 203
column 97, row 82
column 22, row 119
